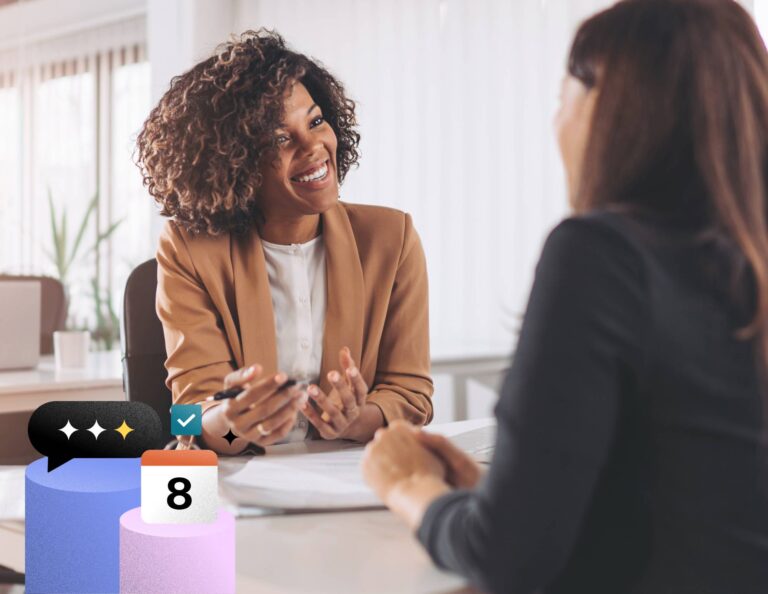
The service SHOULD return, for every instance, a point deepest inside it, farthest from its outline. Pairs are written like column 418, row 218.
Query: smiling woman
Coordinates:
column 264, row 275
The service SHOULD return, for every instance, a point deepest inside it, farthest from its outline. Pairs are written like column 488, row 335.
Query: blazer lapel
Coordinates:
column 345, row 293
column 254, row 303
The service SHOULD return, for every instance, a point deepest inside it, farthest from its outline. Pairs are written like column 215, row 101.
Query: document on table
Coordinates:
column 322, row 475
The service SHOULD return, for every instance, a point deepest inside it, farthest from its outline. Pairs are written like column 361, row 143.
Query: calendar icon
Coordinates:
column 179, row 487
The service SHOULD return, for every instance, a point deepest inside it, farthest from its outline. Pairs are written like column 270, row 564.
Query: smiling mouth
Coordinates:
column 317, row 173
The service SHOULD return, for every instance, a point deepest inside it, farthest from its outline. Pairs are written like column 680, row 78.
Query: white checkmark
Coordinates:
column 188, row 421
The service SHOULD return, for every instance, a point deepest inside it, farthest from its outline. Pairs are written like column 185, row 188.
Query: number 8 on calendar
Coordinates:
column 179, row 487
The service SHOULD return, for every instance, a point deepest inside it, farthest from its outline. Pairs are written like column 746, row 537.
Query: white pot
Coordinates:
column 70, row 348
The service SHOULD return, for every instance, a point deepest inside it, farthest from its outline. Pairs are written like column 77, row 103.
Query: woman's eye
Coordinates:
column 282, row 139
column 317, row 121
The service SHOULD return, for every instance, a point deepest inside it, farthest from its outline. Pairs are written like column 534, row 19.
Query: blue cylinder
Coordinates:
column 73, row 523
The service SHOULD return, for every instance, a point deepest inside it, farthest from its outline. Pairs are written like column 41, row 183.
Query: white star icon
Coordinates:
column 68, row 429
column 96, row 429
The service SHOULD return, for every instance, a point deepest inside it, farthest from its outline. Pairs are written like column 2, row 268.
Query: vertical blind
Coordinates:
column 69, row 108
column 455, row 102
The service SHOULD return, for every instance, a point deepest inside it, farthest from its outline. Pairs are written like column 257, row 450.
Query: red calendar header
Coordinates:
column 179, row 458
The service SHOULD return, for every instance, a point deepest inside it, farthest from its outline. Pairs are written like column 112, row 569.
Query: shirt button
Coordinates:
column 303, row 300
column 305, row 344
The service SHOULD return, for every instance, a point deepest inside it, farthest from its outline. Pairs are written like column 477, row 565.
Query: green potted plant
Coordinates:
column 71, row 345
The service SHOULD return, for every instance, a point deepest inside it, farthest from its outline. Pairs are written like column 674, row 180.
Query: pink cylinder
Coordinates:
column 177, row 557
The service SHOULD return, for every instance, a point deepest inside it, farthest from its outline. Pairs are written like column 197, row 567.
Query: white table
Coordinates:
column 338, row 552
column 371, row 552
column 343, row 552
column 25, row 390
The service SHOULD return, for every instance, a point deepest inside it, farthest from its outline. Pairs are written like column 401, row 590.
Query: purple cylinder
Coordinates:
column 177, row 557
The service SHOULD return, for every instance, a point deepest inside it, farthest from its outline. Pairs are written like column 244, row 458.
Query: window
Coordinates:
column 10, row 173
column 63, row 157
column 68, row 129
column 130, row 201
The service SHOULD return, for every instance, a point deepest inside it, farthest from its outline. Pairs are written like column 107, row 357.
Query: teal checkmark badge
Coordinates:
column 186, row 419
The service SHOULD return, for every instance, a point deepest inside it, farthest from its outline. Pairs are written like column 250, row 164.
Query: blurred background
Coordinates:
column 455, row 103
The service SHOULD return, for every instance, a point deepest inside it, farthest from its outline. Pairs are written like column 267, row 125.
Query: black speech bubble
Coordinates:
column 46, row 422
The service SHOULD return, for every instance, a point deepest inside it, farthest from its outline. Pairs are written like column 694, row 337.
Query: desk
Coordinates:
column 369, row 552
column 340, row 552
column 25, row 390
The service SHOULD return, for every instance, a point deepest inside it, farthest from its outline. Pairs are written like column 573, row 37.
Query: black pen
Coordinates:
column 232, row 392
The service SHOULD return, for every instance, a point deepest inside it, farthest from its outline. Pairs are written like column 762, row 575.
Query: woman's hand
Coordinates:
column 343, row 414
column 405, row 474
column 262, row 413
column 461, row 471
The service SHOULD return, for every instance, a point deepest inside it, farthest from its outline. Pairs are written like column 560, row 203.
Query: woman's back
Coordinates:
column 628, row 454
column 681, row 504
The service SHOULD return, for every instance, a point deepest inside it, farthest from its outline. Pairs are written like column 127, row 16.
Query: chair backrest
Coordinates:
column 144, row 354
column 53, row 307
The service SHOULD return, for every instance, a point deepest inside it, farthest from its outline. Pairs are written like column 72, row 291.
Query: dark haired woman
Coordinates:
column 264, row 275
column 630, row 455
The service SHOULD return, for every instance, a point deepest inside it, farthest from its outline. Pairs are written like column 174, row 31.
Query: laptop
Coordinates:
column 19, row 324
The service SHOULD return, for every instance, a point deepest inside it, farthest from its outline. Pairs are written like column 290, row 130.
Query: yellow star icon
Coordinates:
column 124, row 429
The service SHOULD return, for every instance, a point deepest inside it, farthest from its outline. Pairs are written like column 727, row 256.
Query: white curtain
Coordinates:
column 71, row 102
column 456, row 99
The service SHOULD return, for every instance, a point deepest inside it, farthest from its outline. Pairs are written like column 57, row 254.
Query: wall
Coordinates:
column 455, row 102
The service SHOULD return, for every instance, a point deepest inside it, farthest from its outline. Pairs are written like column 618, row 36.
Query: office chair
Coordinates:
column 144, row 354
column 53, row 307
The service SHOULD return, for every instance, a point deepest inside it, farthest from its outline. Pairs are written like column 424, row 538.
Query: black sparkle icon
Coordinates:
column 230, row 437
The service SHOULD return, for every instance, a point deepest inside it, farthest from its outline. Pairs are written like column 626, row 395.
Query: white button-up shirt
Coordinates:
column 297, row 283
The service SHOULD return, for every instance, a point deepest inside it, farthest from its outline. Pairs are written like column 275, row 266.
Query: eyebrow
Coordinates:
column 309, row 111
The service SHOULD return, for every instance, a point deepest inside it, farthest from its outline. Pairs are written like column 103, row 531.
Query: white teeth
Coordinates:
column 318, row 174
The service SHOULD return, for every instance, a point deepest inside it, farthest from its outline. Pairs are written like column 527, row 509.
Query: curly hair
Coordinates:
column 201, row 147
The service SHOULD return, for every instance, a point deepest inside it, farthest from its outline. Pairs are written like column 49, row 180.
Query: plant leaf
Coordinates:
column 105, row 235
column 56, row 256
column 52, row 213
column 110, row 230
column 81, row 230
column 63, row 236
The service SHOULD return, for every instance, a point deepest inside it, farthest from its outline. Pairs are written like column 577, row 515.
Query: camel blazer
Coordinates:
column 214, row 301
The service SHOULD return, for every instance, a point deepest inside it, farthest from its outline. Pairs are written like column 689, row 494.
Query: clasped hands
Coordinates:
column 264, row 414
column 409, row 468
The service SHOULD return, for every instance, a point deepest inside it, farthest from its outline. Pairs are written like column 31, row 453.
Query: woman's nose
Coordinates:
column 308, row 143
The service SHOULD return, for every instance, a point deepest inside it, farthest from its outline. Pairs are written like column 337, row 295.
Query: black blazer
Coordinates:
column 629, row 456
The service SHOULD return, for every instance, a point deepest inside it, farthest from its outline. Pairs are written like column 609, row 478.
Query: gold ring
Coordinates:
column 263, row 432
